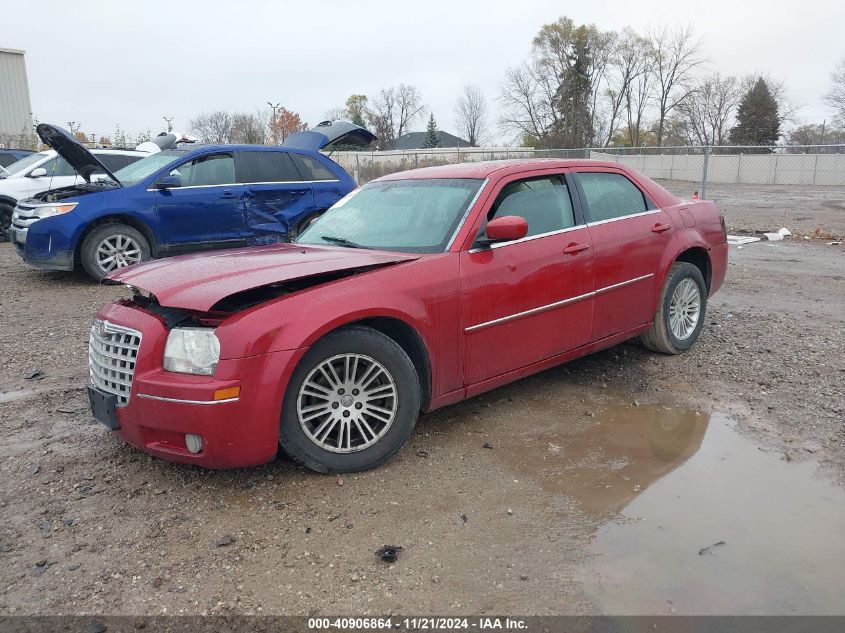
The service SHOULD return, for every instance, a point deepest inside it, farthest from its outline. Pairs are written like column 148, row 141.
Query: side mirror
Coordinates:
column 505, row 229
column 37, row 172
column 168, row 182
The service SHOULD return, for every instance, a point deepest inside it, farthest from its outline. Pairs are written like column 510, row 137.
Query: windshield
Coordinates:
column 417, row 216
column 140, row 169
column 25, row 163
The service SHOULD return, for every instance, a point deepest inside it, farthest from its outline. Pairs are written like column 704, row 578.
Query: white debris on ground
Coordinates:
column 742, row 239
column 739, row 240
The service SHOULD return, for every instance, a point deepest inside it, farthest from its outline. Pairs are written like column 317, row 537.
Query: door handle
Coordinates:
column 574, row 249
column 227, row 195
column 661, row 228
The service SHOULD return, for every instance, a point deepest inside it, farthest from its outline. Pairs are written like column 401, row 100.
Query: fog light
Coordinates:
column 193, row 443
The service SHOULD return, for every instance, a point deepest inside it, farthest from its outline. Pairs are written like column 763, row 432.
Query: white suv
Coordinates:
column 46, row 170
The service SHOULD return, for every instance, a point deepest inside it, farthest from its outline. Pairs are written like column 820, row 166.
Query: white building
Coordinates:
column 15, row 107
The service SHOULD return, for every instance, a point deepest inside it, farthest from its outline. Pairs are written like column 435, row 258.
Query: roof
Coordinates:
column 416, row 140
column 236, row 147
column 483, row 169
column 501, row 168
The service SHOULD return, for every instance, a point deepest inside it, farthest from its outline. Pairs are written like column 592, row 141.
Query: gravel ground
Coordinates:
column 479, row 499
column 815, row 211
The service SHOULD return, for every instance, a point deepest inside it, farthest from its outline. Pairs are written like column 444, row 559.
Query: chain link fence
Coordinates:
column 703, row 165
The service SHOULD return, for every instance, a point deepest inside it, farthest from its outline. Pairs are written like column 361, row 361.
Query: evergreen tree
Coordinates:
column 574, row 125
column 432, row 139
column 757, row 118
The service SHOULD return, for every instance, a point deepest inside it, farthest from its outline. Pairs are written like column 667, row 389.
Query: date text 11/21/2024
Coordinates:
column 419, row 623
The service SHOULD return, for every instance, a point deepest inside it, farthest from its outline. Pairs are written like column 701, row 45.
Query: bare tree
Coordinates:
column 409, row 107
column 627, row 64
column 471, row 115
column 836, row 97
column 637, row 98
column 248, row 128
column 212, row 127
column 554, row 96
column 527, row 106
column 676, row 54
column 392, row 112
column 381, row 116
column 708, row 109
column 602, row 45
column 335, row 114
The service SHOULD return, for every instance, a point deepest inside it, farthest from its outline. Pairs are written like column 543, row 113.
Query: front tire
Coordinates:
column 351, row 403
column 680, row 315
column 112, row 246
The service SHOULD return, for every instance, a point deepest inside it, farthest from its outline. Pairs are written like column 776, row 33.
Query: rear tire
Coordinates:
column 351, row 403
column 5, row 220
column 680, row 314
column 112, row 246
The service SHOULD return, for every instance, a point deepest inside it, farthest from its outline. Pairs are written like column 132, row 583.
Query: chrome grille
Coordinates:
column 112, row 351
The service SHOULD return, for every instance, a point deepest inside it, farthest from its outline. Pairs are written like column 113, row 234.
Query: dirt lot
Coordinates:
column 813, row 211
column 605, row 485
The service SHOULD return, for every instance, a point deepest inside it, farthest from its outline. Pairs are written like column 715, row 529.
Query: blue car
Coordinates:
column 189, row 198
column 9, row 156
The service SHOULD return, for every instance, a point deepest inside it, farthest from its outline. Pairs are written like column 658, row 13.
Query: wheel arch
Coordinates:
column 117, row 218
column 700, row 258
column 405, row 336
column 8, row 200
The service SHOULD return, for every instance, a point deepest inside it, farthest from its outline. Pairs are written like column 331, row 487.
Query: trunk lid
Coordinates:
column 330, row 133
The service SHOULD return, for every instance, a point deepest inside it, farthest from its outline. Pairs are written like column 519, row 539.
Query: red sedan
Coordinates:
column 415, row 291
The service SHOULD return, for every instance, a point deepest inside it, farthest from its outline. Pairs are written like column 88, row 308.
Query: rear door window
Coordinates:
column 610, row 195
column 312, row 169
column 206, row 171
column 58, row 166
column 267, row 166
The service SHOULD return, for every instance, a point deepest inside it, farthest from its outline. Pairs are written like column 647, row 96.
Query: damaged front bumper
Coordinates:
column 164, row 408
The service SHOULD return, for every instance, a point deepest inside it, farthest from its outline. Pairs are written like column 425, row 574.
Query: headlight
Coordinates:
column 192, row 350
column 49, row 210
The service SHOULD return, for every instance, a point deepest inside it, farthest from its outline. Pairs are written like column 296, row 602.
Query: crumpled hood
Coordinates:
column 197, row 282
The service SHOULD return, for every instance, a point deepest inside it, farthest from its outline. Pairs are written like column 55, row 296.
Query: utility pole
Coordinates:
column 169, row 121
column 273, row 121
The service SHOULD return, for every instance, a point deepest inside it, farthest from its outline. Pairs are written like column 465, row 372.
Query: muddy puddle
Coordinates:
column 689, row 516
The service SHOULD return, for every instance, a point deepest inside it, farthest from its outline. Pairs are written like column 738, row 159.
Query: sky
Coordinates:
column 130, row 62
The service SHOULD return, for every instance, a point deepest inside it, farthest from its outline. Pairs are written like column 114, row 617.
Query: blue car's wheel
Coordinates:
column 112, row 246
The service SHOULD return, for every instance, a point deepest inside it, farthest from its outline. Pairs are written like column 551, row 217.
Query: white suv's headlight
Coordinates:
column 192, row 350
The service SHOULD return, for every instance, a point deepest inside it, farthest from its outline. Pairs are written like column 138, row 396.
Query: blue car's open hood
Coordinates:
column 69, row 148
column 330, row 133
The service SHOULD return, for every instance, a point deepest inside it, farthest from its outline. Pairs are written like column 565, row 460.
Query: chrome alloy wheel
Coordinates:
column 117, row 251
column 347, row 403
column 684, row 309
